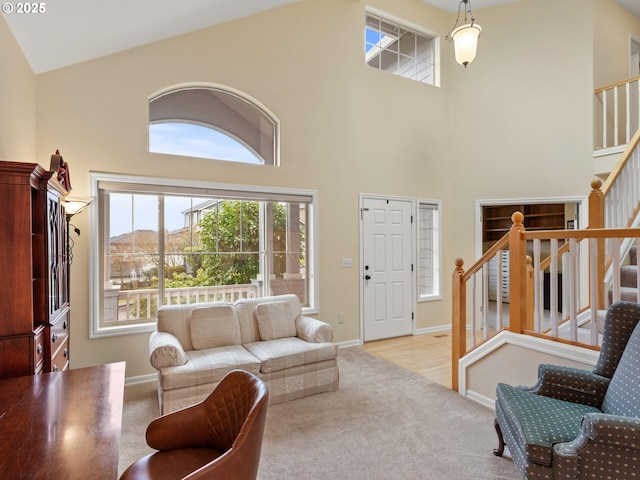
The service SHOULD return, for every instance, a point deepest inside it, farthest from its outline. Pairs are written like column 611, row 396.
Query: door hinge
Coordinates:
column 362, row 210
column 411, row 218
column 412, row 316
column 412, row 267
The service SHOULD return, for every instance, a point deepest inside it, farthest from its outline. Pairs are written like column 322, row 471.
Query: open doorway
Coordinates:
column 494, row 221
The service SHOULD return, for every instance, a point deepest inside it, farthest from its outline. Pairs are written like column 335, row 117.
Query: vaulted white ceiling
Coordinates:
column 73, row 31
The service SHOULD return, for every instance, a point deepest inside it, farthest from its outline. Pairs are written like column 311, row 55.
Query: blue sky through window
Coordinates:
column 192, row 140
column 372, row 38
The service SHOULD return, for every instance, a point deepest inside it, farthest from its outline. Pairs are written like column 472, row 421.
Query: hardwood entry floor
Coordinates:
column 428, row 355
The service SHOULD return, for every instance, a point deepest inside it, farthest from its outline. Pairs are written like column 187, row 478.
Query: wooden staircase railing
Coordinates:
column 583, row 256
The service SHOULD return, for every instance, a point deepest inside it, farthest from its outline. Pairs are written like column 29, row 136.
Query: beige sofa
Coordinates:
column 196, row 345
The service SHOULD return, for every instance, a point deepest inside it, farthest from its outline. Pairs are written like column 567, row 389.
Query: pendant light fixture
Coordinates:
column 465, row 37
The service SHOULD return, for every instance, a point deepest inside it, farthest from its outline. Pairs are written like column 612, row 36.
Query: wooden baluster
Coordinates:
column 574, row 275
column 596, row 220
column 616, row 127
column 628, row 112
column 517, row 275
column 459, row 321
column 485, row 301
column 538, row 288
column 593, row 286
column 604, row 119
column 553, row 287
column 499, row 299
column 529, row 323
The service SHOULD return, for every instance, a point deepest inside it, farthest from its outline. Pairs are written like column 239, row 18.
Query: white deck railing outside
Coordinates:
column 142, row 304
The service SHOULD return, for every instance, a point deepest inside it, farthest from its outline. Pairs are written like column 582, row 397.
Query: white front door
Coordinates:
column 387, row 268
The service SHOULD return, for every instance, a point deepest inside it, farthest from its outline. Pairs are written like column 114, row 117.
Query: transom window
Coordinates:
column 189, row 243
column 398, row 49
column 213, row 123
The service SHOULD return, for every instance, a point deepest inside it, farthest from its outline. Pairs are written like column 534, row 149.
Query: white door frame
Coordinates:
column 632, row 40
column 362, row 197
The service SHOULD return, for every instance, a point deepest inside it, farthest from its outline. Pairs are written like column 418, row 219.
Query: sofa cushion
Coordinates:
column 246, row 309
column 214, row 326
column 208, row 366
column 165, row 351
column 290, row 352
column 539, row 422
column 274, row 321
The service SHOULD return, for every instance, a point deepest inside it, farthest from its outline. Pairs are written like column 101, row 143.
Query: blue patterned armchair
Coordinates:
column 579, row 424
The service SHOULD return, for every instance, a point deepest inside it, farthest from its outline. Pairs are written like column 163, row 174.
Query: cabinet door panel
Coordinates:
column 16, row 356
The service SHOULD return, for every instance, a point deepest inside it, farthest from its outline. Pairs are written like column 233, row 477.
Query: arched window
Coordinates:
column 212, row 122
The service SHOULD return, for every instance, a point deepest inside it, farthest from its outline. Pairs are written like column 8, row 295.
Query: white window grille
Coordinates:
column 398, row 49
column 429, row 250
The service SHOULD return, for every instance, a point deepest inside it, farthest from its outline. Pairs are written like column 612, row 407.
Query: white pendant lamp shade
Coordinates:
column 465, row 42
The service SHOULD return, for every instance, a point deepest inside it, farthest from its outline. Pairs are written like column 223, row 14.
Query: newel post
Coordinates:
column 517, row 274
column 458, row 321
column 596, row 220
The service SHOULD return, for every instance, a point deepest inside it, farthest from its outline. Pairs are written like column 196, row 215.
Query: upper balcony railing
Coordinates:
column 616, row 115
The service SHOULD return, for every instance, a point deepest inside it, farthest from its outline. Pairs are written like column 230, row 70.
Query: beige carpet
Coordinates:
column 384, row 423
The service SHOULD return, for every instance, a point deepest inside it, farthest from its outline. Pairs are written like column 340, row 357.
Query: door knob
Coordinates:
column 367, row 277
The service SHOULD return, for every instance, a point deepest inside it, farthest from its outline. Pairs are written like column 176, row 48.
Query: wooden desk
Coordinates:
column 63, row 425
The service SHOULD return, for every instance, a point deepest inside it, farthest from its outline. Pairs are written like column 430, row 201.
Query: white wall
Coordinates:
column 17, row 101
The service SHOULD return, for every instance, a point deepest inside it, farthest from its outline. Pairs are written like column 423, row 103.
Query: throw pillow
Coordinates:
column 214, row 326
column 274, row 320
column 166, row 351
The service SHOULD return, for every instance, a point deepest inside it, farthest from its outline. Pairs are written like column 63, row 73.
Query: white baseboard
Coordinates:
column 349, row 343
column 436, row 329
column 151, row 377
column 481, row 399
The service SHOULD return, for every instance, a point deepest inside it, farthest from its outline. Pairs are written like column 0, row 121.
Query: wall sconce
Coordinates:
column 73, row 206
column 465, row 37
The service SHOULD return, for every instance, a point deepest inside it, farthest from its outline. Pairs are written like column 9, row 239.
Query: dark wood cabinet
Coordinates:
column 496, row 220
column 34, row 297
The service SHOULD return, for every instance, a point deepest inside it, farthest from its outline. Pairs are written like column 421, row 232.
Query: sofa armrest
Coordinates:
column 570, row 384
column 613, row 431
column 165, row 350
column 313, row 331
column 599, row 432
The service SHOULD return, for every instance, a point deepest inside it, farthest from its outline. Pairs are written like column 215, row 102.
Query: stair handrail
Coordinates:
column 616, row 204
column 617, row 171
column 488, row 255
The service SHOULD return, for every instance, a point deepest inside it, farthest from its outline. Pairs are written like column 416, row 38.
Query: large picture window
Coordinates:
column 191, row 243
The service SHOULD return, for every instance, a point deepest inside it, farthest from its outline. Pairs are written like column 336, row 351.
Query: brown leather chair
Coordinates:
column 220, row 437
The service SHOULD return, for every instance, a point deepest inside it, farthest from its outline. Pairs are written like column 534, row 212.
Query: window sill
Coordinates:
column 429, row 298
column 118, row 330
